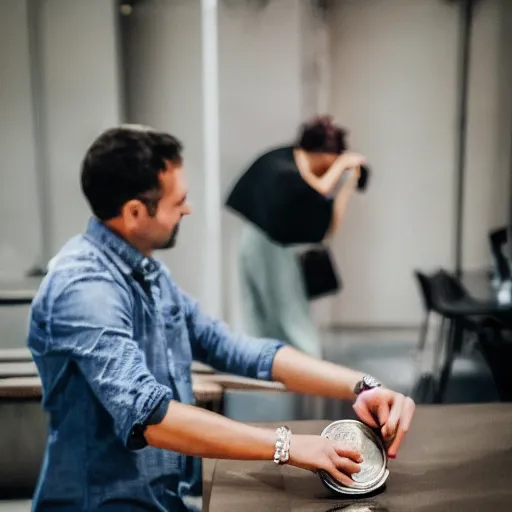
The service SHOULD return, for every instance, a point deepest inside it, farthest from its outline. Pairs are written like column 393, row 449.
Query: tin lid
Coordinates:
column 360, row 437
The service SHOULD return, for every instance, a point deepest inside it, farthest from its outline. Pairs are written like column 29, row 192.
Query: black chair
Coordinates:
column 427, row 384
column 465, row 315
column 439, row 293
column 461, row 316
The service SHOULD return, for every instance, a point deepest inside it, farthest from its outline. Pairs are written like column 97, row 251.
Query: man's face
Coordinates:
column 159, row 227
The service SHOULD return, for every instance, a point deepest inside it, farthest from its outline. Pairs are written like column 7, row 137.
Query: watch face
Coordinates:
column 370, row 382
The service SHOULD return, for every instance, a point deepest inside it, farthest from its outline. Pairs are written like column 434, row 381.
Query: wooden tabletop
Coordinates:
column 455, row 458
column 23, row 383
column 23, row 355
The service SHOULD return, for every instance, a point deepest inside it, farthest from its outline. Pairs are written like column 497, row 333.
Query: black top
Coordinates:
column 273, row 195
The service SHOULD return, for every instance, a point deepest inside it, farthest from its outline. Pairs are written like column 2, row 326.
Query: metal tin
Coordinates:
column 360, row 437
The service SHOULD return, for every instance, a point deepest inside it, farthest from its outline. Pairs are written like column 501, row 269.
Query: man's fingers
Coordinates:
column 361, row 409
column 403, row 426
column 339, row 476
column 346, row 465
column 390, row 426
column 349, row 453
column 383, row 413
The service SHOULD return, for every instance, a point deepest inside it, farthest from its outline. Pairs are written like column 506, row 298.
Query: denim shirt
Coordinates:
column 113, row 338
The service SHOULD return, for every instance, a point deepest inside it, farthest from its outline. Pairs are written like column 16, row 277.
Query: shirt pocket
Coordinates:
column 179, row 353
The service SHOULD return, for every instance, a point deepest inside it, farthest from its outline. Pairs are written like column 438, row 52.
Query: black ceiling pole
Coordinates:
column 466, row 24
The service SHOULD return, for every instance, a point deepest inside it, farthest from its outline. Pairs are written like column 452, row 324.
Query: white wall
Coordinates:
column 56, row 94
column 393, row 85
column 261, row 103
column 20, row 237
column 81, row 97
column 487, row 188
column 392, row 82
column 163, row 66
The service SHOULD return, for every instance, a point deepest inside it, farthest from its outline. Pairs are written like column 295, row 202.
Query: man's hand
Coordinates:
column 391, row 412
column 316, row 452
column 378, row 407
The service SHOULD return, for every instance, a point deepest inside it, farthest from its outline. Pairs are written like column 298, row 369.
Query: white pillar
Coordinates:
column 212, row 190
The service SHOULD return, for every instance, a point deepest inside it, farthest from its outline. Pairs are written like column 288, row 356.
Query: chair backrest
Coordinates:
column 450, row 287
column 425, row 290
column 440, row 289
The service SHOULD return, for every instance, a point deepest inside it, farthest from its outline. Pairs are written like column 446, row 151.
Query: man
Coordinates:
column 114, row 337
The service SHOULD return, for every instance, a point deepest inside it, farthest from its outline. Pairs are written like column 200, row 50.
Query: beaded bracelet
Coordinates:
column 282, row 452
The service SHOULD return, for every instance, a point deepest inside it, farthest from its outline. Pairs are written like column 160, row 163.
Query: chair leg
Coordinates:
column 423, row 333
column 428, row 382
column 455, row 334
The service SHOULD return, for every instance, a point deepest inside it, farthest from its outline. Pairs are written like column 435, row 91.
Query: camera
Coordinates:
column 364, row 176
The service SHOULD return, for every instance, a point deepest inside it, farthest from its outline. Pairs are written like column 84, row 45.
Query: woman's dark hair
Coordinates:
column 321, row 135
column 123, row 164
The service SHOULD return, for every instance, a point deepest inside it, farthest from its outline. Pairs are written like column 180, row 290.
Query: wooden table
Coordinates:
column 455, row 458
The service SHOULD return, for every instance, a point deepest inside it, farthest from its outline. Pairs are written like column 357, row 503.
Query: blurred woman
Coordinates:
column 291, row 197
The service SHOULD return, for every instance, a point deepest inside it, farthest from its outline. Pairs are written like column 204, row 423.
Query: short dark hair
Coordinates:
column 124, row 163
column 321, row 135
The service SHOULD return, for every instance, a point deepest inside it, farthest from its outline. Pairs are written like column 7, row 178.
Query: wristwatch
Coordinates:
column 367, row 382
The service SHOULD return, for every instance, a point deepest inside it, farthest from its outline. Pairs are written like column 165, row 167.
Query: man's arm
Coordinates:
column 89, row 321
column 380, row 407
column 304, row 374
column 194, row 431
column 214, row 344
column 267, row 359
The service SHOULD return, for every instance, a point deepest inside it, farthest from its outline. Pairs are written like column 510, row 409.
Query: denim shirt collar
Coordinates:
column 130, row 260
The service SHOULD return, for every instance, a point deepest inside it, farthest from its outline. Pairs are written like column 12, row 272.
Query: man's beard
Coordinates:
column 171, row 242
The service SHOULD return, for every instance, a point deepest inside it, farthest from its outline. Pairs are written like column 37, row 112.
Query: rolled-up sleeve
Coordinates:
column 214, row 344
column 90, row 322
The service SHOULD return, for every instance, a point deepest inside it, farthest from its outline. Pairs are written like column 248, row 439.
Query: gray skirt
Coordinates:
column 274, row 298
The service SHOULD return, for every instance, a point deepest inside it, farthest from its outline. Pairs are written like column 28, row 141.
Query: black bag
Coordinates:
column 319, row 272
